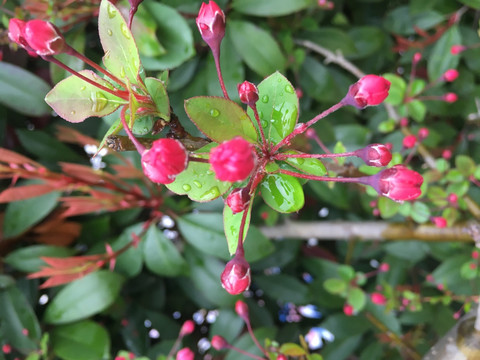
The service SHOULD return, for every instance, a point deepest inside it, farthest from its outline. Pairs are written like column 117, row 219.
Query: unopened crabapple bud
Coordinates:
column 248, row 93
column 447, row 154
column 378, row 299
column 211, row 24
column 403, row 122
column 452, row 198
column 450, row 97
column 241, row 309
column 44, row 38
column 238, row 200
column 348, row 309
column 423, row 133
column 219, row 343
column 187, row 328
column 233, row 160
column 164, row 160
column 416, row 57
column 397, row 183
column 375, row 155
column 457, row 49
column 439, row 221
column 409, row 141
column 384, row 267
column 185, row 354
column 236, row 275
column 450, row 75
column 368, row 91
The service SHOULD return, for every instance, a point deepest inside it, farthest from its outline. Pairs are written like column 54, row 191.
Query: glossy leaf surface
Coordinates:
column 282, row 193
column 158, row 92
column 269, row 7
column 310, row 166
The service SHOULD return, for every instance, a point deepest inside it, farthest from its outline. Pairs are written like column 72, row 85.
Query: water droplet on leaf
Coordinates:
column 300, row 161
column 99, row 101
column 109, row 32
column 264, row 123
column 210, row 194
column 186, row 187
column 289, row 89
column 122, row 71
column 83, row 88
column 112, row 12
column 214, row 112
column 125, row 31
column 265, row 98
column 260, row 114
column 197, row 183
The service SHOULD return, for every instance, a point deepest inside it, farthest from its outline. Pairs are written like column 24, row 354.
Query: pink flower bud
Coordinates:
column 416, row 57
column 166, row 159
column 211, row 24
column 233, row 160
column 281, row 357
column 450, row 97
column 6, row 348
column 185, row 354
column 452, row 198
column 409, row 141
column 404, row 122
column 384, row 267
column 187, row 328
column 219, row 343
column 44, row 38
column 311, row 134
column 450, row 75
column 378, row 299
column 375, row 155
column 241, row 309
column 238, row 200
column 397, row 183
column 439, row 222
column 472, row 266
column 16, row 32
column 475, row 254
column 236, row 276
column 447, row 154
column 423, row 133
column 248, row 93
column 348, row 309
column 457, row 49
column 369, row 90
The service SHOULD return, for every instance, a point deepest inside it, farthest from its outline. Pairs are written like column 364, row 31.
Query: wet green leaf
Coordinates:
column 158, row 92
column 277, row 107
column 269, row 7
column 121, row 54
column 198, row 182
column 161, row 255
column 231, row 224
column 220, row 119
column 27, row 259
column 84, row 297
column 310, row 166
column 398, row 87
column 357, row 298
column 282, row 193
column 75, row 100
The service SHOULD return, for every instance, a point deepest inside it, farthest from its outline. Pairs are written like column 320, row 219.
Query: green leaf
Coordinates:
column 335, row 286
column 158, row 92
column 22, row 215
column 309, row 166
column 257, row 47
column 130, row 262
column 402, row 21
column 346, row 272
column 398, row 87
column 292, row 349
column 246, row 343
column 17, row 314
column 387, row 207
column 22, row 91
column 417, row 110
column 175, row 35
column 472, row 3
column 441, row 59
column 84, row 297
column 220, row 119
column 277, row 107
column 420, row 212
column 161, row 255
column 357, row 298
column 84, row 340
column 333, row 39
column 367, row 40
column 282, row 193
column 144, row 30
column 114, row 129
column 465, row 165
column 231, row 224
column 284, row 288
column 27, row 259
column 269, row 7
column 198, row 182
column 75, row 100
column 121, row 54
column 76, row 39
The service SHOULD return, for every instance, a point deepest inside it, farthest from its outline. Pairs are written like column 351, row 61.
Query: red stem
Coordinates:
column 260, row 127
column 140, row 148
column 246, row 353
column 216, row 58
column 359, row 180
column 283, row 156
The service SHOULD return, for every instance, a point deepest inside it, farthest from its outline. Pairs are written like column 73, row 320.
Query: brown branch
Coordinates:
column 368, row 231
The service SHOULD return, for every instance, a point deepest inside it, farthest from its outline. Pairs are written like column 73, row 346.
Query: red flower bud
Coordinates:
column 44, row 38
column 375, row 155
column 348, row 309
column 219, row 343
column 166, row 159
column 233, row 160
column 397, row 183
column 450, row 97
column 416, row 57
column 378, row 299
column 369, row 90
column 404, row 122
column 423, row 133
column 248, row 93
column 16, row 31
column 447, row 154
column 450, row 75
column 281, row 357
column 409, row 141
column 242, row 310
column 238, row 200
column 211, row 24
column 457, row 49
column 475, row 254
column 185, row 354
column 439, row 222
column 452, row 198
column 384, row 267
column 187, row 328
column 236, row 276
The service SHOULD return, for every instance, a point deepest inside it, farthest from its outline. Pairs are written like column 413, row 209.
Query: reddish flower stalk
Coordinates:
column 242, row 310
column 219, row 343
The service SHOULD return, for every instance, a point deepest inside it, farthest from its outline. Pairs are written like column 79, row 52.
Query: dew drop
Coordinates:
column 300, row 161
column 260, row 115
column 197, row 183
column 72, row 112
column 99, row 101
column 186, row 187
column 83, row 88
column 109, row 32
column 214, row 112
column 209, row 172
column 265, row 99
column 122, row 71
column 289, row 89
column 125, row 31
column 264, row 123
column 210, row 194
column 112, row 12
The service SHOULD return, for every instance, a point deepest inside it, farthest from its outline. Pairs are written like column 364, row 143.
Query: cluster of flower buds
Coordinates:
column 38, row 37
